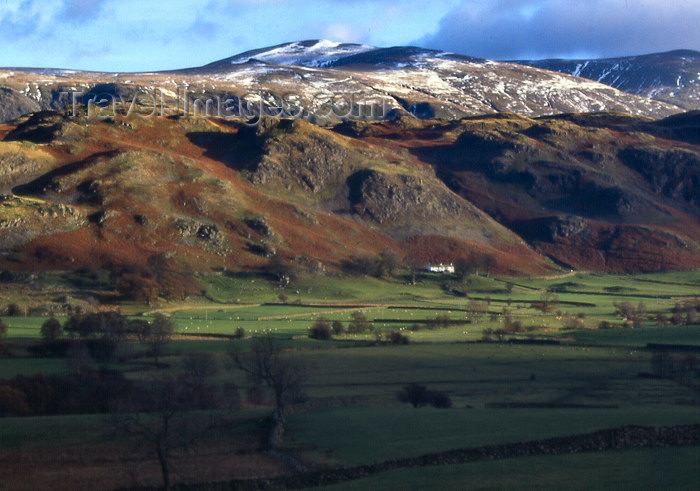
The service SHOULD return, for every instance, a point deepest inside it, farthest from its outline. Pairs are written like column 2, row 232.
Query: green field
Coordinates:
column 621, row 470
column 588, row 380
column 253, row 304
column 400, row 432
column 689, row 335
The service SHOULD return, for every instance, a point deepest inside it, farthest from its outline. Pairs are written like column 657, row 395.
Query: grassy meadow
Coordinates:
column 560, row 374
column 663, row 468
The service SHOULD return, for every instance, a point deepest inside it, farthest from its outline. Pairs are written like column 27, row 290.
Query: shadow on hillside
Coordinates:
column 238, row 151
column 47, row 182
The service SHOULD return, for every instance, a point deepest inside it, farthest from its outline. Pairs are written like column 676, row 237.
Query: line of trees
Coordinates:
column 324, row 329
column 100, row 334
column 686, row 313
column 419, row 396
column 474, row 263
column 383, row 265
column 161, row 276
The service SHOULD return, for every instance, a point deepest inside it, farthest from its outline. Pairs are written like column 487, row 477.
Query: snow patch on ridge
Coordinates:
column 320, row 54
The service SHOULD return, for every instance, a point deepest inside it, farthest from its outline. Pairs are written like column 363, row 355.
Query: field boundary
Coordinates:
column 625, row 437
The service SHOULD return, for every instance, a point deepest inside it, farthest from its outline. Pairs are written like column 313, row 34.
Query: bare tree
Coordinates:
column 161, row 330
column 268, row 364
column 628, row 312
column 155, row 428
column 198, row 370
column 160, row 421
column 3, row 333
column 547, row 303
column 476, row 309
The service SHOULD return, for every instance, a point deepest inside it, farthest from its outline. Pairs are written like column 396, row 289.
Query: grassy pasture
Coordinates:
column 339, row 435
column 12, row 367
column 50, row 431
column 354, row 416
column 482, row 375
column 689, row 335
column 24, row 327
column 620, row 470
column 258, row 308
column 253, row 289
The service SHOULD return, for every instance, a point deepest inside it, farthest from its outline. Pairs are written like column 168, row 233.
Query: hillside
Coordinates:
column 207, row 195
column 608, row 192
column 599, row 192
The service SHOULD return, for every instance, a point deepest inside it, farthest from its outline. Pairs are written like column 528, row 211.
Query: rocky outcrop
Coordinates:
column 22, row 221
column 209, row 233
column 551, row 229
column 674, row 173
column 259, row 226
column 18, row 163
column 46, row 127
column 397, row 199
column 299, row 155
column 538, row 159
column 14, row 104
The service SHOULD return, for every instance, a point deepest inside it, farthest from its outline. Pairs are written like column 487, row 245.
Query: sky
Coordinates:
column 146, row 35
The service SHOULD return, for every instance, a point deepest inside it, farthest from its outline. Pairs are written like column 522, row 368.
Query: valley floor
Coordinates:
column 598, row 356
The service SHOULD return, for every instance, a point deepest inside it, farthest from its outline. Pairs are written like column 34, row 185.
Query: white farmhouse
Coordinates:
column 441, row 268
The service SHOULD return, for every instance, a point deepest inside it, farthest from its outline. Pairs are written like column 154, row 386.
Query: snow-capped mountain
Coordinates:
column 314, row 53
column 422, row 82
column 324, row 53
column 672, row 77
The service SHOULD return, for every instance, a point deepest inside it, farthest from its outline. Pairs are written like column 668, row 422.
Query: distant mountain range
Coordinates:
column 672, row 77
column 422, row 82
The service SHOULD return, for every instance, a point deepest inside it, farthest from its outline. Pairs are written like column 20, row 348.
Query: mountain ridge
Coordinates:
column 666, row 76
column 424, row 83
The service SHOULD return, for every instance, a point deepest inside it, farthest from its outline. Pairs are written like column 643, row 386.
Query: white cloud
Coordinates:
column 19, row 20
column 342, row 32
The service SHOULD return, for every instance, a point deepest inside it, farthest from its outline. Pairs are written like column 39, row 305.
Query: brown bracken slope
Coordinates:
column 607, row 192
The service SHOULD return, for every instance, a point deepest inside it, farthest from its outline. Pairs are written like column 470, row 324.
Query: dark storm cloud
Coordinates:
column 511, row 29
